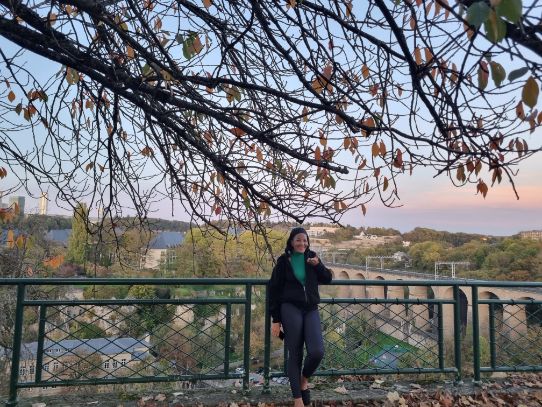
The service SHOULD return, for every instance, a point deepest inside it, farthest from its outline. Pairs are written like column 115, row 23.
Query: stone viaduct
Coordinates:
column 511, row 318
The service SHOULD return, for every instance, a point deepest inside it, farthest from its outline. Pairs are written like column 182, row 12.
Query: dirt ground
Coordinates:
column 514, row 391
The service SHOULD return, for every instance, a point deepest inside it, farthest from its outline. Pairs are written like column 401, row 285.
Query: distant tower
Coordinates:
column 20, row 201
column 43, row 203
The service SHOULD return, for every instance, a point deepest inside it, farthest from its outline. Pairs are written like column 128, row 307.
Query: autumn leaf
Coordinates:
column 207, row 3
column 130, row 52
column 363, row 209
column 483, row 75
column 11, row 96
column 375, row 149
column 530, row 92
column 498, row 74
column 365, row 71
column 147, row 152
column 520, row 112
column 237, row 132
column 418, row 56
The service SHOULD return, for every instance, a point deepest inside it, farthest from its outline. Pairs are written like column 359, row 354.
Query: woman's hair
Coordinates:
column 295, row 231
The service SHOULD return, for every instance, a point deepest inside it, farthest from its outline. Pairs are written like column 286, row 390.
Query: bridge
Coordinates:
column 513, row 314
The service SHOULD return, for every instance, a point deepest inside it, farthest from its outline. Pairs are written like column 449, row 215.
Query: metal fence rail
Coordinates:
column 380, row 327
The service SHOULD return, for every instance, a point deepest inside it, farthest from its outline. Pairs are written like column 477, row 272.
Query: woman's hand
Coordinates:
column 313, row 261
column 275, row 329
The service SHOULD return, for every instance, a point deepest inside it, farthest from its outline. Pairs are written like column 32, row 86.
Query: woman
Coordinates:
column 293, row 303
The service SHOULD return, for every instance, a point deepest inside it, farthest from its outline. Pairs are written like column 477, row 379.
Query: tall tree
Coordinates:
column 77, row 245
column 245, row 110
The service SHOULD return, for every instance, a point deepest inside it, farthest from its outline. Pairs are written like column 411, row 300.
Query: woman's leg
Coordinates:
column 313, row 341
column 292, row 322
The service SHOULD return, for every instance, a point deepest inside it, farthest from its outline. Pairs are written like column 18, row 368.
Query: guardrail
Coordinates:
column 369, row 327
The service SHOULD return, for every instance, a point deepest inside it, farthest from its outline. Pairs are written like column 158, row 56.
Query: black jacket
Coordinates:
column 285, row 287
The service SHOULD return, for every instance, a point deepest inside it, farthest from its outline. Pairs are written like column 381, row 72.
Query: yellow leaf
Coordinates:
column 20, row 242
column 10, row 239
column 529, row 95
column 11, row 96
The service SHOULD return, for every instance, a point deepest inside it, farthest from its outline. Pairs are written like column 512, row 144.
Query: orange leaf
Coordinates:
column 130, row 52
column 317, row 154
column 207, row 3
column 365, row 71
column 520, row 112
column 11, row 96
column 237, row 132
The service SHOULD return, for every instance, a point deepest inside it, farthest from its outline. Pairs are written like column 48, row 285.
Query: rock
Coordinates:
column 39, row 405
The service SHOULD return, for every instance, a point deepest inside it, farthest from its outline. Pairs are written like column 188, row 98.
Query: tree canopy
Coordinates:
column 249, row 110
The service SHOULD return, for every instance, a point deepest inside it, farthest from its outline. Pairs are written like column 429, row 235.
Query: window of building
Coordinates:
column 46, row 367
column 106, row 364
column 22, row 371
column 55, row 365
column 115, row 364
column 32, row 369
column 123, row 362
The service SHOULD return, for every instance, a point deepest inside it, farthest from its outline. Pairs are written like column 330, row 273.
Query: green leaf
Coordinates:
column 478, row 13
column 511, row 9
column 530, row 92
column 495, row 28
column 518, row 73
column 146, row 70
column 498, row 74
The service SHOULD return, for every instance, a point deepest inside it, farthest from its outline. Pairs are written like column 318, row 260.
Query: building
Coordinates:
column 531, row 234
column 161, row 247
column 19, row 200
column 59, row 236
column 43, row 204
column 83, row 358
column 315, row 231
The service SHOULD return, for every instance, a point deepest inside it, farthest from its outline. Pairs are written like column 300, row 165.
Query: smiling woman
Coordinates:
column 248, row 111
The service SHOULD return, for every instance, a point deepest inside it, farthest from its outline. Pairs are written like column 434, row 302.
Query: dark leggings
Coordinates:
column 301, row 327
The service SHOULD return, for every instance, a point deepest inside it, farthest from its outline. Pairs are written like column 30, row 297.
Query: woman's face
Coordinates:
column 300, row 243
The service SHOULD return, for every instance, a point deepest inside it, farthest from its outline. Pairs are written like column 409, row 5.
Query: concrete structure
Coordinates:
column 43, row 204
column 511, row 317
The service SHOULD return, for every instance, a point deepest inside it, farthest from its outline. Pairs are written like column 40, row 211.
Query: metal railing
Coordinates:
column 203, row 332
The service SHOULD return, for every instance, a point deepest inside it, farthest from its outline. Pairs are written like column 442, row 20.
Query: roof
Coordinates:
column 59, row 235
column 103, row 346
column 166, row 240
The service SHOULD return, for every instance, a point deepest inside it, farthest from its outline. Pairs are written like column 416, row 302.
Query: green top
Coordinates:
column 298, row 264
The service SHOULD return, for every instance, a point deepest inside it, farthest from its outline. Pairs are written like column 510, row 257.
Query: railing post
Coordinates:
column 440, row 327
column 41, row 337
column 16, row 353
column 492, row 343
column 267, row 343
column 457, row 335
column 246, row 340
column 227, row 340
column 475, row 334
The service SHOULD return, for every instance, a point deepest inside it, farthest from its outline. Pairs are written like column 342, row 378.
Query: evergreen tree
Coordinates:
column 78, row 239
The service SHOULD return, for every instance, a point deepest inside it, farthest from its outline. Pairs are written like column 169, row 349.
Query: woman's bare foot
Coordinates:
column 304, row 383
column 298, row 402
